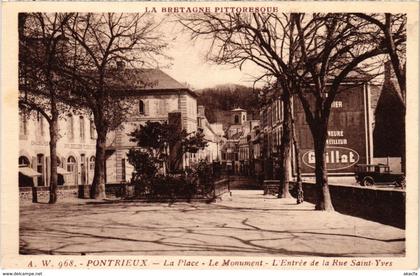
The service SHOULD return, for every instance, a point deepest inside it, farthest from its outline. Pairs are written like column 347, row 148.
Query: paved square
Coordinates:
column 246, row 224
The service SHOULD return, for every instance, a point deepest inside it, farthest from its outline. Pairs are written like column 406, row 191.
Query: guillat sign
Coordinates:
column 337, row 158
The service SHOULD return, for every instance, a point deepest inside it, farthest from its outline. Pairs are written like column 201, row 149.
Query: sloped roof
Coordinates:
column 358, row 74
column 144, row 80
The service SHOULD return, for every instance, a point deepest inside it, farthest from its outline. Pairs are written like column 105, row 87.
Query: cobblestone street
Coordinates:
column 246, row 224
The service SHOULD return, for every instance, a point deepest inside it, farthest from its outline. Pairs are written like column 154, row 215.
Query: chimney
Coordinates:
column 120, row 65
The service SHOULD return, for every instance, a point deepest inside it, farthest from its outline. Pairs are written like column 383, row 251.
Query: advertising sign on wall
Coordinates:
column 348, row 135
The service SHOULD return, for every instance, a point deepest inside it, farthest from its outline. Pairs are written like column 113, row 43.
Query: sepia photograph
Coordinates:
column 256, row 135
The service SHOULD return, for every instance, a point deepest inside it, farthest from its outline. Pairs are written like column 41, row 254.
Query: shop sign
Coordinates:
column 336, row 158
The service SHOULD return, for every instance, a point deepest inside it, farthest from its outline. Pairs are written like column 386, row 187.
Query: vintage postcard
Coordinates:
column 209, row 135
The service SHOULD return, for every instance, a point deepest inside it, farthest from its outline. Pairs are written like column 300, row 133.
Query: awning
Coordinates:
column 62, row 171
column 29, row 172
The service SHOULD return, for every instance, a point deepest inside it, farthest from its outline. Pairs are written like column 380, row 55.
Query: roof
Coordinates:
column 358, row 74
column 238, row 109
column 144, row 80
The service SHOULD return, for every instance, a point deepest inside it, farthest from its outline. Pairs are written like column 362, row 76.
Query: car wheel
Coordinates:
column 400, row 183
column 368, row 181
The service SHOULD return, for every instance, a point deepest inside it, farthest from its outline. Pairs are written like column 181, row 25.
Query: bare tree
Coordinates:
column 103, row 44
column 296, row 148
column 41, row 42
column 331, row 46
column 262, row 39
column 393, row 30
column 310, row 55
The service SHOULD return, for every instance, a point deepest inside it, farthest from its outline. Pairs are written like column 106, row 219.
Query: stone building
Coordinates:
column 150, row 95
column 153, row 96
column 236, row 152
column 213, row 134
column 350, row 129
column 75, row 149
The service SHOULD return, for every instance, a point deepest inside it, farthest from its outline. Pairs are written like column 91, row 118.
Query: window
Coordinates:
column 23, row 161
column 70, row 126
column 236, row 119
column 92, row 129
column 40, row 157
column 23, row 127
column 141, row 107
column 92, row 163
column 71, row 161
column 40, row 123
column 40, row 169
column 82, row 128
column 123, row 176
column 41, row 126
column 161, row 107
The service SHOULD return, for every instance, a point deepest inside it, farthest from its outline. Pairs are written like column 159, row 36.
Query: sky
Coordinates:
column 189, row 64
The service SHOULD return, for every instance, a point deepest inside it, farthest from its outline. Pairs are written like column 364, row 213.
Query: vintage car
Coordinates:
column 367, row 175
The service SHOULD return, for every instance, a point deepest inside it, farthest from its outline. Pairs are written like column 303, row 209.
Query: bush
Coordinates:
column 167, row 187
column 193, row 182
column 144, row 165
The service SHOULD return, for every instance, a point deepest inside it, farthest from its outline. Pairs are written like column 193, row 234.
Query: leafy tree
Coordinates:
column 155, row 138
column 142, row 162
column 195, row 142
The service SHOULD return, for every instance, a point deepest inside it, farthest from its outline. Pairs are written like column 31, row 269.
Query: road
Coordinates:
column 246, row 224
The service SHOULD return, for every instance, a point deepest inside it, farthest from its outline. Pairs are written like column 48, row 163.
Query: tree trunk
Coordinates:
column 97, row 189
column 319, row 132
column 299, row 188
column 284, row 155
column 53, row 155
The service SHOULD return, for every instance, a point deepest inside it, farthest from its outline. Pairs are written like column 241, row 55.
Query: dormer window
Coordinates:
column 141, row 107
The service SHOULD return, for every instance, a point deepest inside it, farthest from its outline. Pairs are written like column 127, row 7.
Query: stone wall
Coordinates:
column 386, row 206
column 42, row 193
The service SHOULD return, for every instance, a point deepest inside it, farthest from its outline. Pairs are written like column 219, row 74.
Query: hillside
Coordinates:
column 219, row 100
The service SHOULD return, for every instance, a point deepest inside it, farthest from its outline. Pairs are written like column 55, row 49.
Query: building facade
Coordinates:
column 350, row 129
column 75, row 149
column 237, row 150
column 152, row 95
column 213, row 134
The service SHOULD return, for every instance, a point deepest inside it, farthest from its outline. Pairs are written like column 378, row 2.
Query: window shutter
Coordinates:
column 146, row 107
column 161, row 106
column 63, row 161
column 165, row 104
column 34, row 164
column 48, row 170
